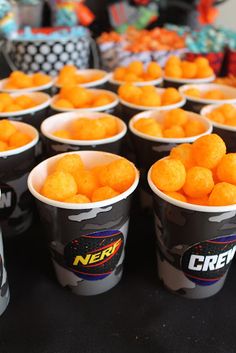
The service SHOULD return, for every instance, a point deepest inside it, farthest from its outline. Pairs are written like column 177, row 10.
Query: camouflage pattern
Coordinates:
column 4, row 290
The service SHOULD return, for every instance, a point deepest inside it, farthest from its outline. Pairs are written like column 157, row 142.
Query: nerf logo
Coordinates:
column 211, row 262
column 6, row 200
column 101, row 255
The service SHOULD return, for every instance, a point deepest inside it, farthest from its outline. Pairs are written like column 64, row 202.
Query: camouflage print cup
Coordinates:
column 149, row 149
column 4, row 290
column 195, row 244
column 226, row 132
column 86, row 241
column 195, row 104
column 16, row 202
column 55, row 145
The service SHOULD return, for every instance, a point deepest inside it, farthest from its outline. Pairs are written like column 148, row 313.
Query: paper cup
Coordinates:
column 97, row 83
column 130, row 109
column 195, row 244
column 149, row 149
column 55, row 145
column 196, row 104
column 108, row 108
column 115, row 84
column 33, row 116
column 43, row 88
column 178, row 82
column 16, row 202
column 226, row 132
column 4, row 289
column 87, row 241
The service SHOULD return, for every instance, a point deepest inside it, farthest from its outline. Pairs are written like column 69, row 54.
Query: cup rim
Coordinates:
column 70, row 116
column 179, row 104
column 163, row 139
column 35, row 109
column 91, row 84
column 208, row 109
column 25, row 90
column 155, row 82
column 190, row 80
column 82, row 206
column 93, row 109
column 208, row 101
column 24, row 148
column 186, row 205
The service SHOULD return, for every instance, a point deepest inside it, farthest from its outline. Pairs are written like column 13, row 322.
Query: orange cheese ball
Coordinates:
column 208, row 150
column 175, row 117
column 78, row 96
column 183, row 153
column 136, row 67
column 119, row 73
column 204, row 72
column 168, row 175
column 175, row 131
column 12, row 108
column 148, row 89
column 130, row 77
column 40, row 79
column 228, row 110
column 110, row 124
column 20, row 80
column 18, row 139
column 67, row 81
column 7, row 129
column 189, row 69
column 154, row 70
column 193, row 92
column 216, row 116
column 148, row 126
column 177, row 196
column 64, row 134
column 173, row 71
column 59, row 186
column 150, row 100
column 63, row 104
column 5, row 99
column 203, row 201
column 199, row 182
column 3, row 146
column 194, row 128
column 202, row 62
column 87, row 182
column 226, row 169
column 68, row 70
column 214, row 94
column 119, row 175
column 170, row 96
column 24, row 101
column 70, row 163
column 223, row 194
column 102, row 99
column 129, row 91
column 78, row 199
column 173, row 60
column 103, row 193
column 88, row 129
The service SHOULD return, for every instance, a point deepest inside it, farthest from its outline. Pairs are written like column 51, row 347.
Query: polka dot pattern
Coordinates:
column 50, row 56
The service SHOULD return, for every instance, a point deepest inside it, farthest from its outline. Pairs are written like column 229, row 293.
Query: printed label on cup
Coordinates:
column 205, row 263
column 7, row 201
column 94, row 256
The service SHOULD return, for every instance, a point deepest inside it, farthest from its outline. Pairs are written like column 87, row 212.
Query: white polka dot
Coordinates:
column 34, row 67
column 70, row 47
column 79, row 46
column 32, row 49
column 75, row 55
column 47, row 67
column 44, row 49
column 52, row 58
column 27, row 58
column 21, row 49
column 25, row 67
column 39, row 58
column 57, row 48
column 64, row 57
column 59, row 65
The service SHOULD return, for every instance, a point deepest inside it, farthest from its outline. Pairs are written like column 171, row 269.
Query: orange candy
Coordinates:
column 70, row 163
column 103, row 193
column 199, row 182
column 59, row 186
column 223, row 194
column 119, row 175
column 168, row 175
column 226, row 169
column 208, row 151
column 183, row 153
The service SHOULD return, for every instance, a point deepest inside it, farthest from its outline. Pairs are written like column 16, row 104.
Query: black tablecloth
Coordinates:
column 138, row 315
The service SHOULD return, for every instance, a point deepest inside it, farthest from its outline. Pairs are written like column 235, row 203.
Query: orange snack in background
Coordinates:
column 175, row 131
column 20, row 80
column 175, row 117
column 215, row 94
column 223, row 194
column 194, row 128
column 208, row 150
column 226, row 169
column 193, row 92
column 183, row 153
column 199, row 182
column 168, row 175
column 70, row 76
column 170, row 96
column 103, row 193
column 136, row 72
column 7, row 129
column 59, row 186
column 11, row 104
column 18, row 139
column 224, row 114
column 11, row 137
column 70, row 163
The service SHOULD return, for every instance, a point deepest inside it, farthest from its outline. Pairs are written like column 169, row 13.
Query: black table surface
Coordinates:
column 138, row 315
